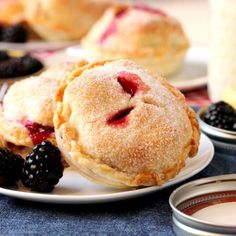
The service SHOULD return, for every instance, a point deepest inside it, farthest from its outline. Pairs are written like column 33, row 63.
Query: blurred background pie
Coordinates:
column 63, row 20
column 141, row 33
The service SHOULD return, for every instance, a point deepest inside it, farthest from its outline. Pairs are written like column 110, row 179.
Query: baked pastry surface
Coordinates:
column 11, row 12
column 145, row 35
column 121, row 126
column 27, row 111
column 63, row 19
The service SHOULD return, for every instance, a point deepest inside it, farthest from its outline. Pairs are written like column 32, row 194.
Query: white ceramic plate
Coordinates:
column 35, row 45
column 192, row 75
column 74, row 189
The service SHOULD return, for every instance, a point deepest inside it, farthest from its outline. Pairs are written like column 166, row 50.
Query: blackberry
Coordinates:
column 9, row 68
column 234, row 126
column 42, row 168
column 19, row 66
column 1, row 30
column 15, row 34
column 221, row 115
column 10, row 167
column 4, row 56
column 223, row 108
column 30, row 64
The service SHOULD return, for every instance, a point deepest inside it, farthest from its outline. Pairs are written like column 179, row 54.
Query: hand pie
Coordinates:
column 119, row 125
column 11, row 12
column 63, row 20
column 145, row 35
column 27, row 111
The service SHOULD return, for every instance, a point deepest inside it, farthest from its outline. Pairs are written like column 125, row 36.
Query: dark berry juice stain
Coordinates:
column 38, row 133
column 142, row 7
column 119, row 119
column 111, row 29
column 131, row 83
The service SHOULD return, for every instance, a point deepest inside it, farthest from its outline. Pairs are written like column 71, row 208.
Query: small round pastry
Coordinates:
column 145, row 35
column 11, row 12
column 63, row 20
column 26, row 114
column 119, row 125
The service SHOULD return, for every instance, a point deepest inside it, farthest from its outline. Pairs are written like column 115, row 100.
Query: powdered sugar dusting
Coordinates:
column 157, row 134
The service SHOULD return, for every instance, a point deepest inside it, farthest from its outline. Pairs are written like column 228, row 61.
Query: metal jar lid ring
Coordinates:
column 194, row 196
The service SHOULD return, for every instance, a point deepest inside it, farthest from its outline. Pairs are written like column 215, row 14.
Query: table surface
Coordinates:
column 149, row 215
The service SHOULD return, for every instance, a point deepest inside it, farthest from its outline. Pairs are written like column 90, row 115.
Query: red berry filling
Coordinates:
column 111, row 29
column 130, row 82
column 37, row 132
column 120, row 118
column 146, row 8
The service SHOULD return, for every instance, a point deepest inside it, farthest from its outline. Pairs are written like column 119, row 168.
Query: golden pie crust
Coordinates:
column 30, row 99
column 63, row 20
column 11, row 12
column 156, row 41
column 151, row 143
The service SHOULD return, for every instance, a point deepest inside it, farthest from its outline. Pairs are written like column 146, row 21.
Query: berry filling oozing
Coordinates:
column 146, row 8
column 131, row 83
column 111, row 29
column 37, row 132
column 119, row 119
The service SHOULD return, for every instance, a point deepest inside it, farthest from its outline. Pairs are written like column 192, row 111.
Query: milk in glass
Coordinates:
column 222, row 64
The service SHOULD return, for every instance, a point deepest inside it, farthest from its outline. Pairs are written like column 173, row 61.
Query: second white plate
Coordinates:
column 192, row 74
column 35, row 45
column 74, row 189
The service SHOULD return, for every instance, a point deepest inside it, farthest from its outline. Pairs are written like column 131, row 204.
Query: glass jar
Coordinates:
column 222, row 64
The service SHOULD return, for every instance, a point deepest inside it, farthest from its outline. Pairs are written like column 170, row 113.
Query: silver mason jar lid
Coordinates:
column 220, row 137
column 196, row 195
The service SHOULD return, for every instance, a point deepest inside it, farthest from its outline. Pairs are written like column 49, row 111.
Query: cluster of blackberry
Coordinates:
column 40, row 171
column 221, row 115
column 14, row 33
column 11, row 67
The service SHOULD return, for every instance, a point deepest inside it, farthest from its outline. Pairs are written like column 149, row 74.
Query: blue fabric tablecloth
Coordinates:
column 149, row 215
